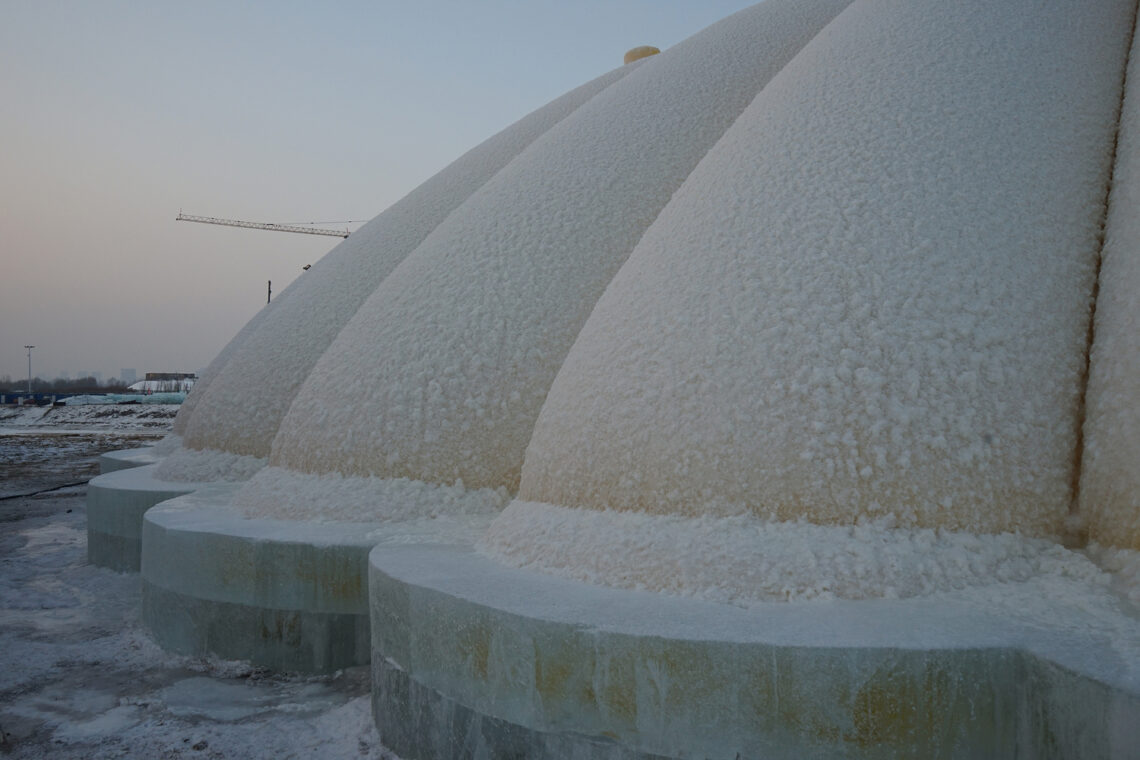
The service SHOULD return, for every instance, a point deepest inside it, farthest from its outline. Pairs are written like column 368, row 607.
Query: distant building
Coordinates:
column 165, row 382
column 171, row 376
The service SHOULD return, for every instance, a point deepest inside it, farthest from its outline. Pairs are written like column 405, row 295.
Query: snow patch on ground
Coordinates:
column 88, row 418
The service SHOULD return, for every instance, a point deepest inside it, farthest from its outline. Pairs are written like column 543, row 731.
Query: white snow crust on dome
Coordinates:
column 168, row 445
column 1124, row 566
column 242, row 408
column 441, row 374
column 1110, row 466
column 186, row 410
column 742, row 561
column 189, row 465
column 869, row 301
column 173, row 442
column 332, row 497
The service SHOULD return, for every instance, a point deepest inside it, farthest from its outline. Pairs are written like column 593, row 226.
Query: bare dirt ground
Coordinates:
column 80, row 677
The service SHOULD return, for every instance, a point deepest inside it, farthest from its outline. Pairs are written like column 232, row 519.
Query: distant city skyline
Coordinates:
column 118, row 115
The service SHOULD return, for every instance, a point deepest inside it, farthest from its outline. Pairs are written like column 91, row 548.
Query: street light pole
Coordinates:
column 29, row 368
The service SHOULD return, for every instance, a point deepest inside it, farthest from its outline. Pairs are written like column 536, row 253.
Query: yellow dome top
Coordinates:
column 641, row 51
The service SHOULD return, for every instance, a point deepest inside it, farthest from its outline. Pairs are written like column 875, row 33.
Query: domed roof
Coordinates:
column 867, row 307
column 442, row 371
column 824, row 263
column 547, row 210
column 246, row 391
column 873, row 292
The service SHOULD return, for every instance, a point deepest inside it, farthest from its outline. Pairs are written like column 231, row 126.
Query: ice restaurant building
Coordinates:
column 774, row 396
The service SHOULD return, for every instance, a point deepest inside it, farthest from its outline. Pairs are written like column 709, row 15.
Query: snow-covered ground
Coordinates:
column 79, row 675
column 152, row 420
column 45, row 447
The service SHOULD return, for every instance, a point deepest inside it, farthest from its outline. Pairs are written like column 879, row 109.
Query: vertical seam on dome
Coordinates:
column 1082, row 399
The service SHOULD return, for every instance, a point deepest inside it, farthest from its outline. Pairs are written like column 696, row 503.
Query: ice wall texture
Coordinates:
column 871, row 299
column 240, row 410
column 442, row 372
column 1110, row 472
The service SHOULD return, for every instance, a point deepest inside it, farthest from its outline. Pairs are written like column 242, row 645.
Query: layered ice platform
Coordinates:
column 125, row 459
column 474, row 659
column 283, row 594
column 116, row 502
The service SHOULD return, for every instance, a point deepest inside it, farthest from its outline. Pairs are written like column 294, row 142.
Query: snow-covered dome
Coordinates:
column 464, row 338
column 814, row 286
column 868, row 306
column 228, row 423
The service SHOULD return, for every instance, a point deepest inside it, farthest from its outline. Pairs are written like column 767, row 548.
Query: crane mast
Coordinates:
column 261, row 225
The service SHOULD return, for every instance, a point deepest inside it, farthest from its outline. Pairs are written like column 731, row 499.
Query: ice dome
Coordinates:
column 815, row 285
column 451, row 356
column 228, row 422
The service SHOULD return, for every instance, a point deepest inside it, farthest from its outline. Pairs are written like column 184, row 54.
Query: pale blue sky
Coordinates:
column 116, row 115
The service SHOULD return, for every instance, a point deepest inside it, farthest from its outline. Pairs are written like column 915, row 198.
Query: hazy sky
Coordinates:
column 116, row 115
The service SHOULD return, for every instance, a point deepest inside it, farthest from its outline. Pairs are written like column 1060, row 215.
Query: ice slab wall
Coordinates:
column 440, row 375
column 871, row 299
column 472, row 659
column 243, row 406
column 1110, row 477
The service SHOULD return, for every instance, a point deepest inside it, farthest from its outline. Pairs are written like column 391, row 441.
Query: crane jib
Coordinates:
column 261, row 225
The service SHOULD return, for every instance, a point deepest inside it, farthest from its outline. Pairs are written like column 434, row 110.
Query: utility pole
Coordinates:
column 29, row 368
column 269, row 291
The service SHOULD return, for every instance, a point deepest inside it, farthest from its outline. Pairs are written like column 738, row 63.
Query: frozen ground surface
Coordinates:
column 153, row 420
column 46, row 447
column 80, row 677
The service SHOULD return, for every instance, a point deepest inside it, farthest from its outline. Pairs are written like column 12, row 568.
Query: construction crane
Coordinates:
column 261, row 225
